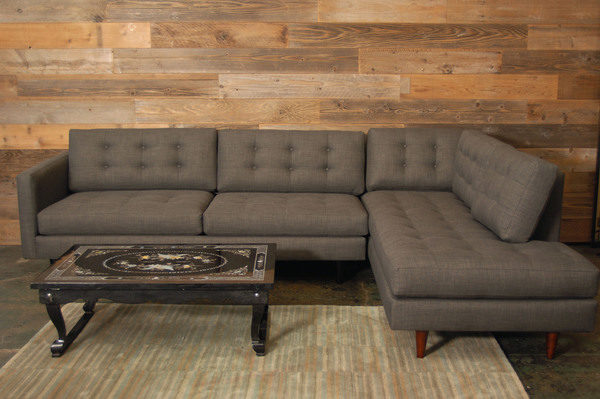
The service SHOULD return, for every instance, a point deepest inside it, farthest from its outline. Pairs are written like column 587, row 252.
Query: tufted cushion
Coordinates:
column 411, row 158
column 131, row 159
column 506, row 189
column 429, row 246
column 146, row 212
column 291, row 161
column 286, row 214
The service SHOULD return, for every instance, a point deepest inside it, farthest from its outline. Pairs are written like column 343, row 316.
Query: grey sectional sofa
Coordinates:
column 463, row 228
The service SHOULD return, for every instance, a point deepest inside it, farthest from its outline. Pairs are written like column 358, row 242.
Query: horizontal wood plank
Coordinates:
column 398, row 60
column 576, row 230
column 213, row 10
column 72, row 61
column 519, row 11
column 563, row 37
column 579, row 86
column 423, row 11
column 488, row 87
column 66, row 111
column 312, row 86
column 219, row 34
column 408, row 35
column 74, row 35
column 563, row 112
column 226, row 111
column 567, row 159
column 423, row 111
column 52, row 10
column 56, row 136
column 120, row 85
column 8, row 86
column 550, row 61
column 235, row 60
column 9, row 231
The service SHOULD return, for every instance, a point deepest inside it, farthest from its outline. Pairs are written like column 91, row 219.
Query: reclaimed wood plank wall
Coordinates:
column 527, row 72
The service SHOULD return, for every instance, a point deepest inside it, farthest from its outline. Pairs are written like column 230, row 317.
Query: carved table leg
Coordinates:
column 260, row 315
column 59, row 346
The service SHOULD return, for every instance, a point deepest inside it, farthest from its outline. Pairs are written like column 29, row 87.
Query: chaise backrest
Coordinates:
column 507, row 190
column 137, row 159
column 291, row 161
column 411, row 158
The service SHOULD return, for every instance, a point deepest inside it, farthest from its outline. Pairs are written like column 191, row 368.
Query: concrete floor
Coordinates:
column 574, row 373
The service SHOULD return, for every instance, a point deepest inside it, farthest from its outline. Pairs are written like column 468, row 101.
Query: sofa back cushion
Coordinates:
column 291, row 161
column 506, row 189
column 135, row 159
column 411, row 158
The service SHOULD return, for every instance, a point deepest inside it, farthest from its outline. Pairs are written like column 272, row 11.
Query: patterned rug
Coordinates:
column 183, row 351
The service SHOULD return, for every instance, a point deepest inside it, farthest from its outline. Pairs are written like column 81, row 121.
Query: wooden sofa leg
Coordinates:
column 421, row 343
column 551, row 340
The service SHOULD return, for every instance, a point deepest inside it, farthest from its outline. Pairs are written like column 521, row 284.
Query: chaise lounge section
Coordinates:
column 451, row 215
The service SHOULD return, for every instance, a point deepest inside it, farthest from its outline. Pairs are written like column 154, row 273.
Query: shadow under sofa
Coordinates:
column 434, row 214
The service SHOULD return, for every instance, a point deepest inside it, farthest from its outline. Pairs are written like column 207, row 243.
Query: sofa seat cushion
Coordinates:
column 126, row 212
column 287, row 214
column 430, row 246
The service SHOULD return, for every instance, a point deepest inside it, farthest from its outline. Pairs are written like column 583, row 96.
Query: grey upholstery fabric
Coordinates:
column 38, row 187
column 411, row 158
column 548, row 228
column 291, row 161
column 126, row 212
column 133, row 159
column 286, row 214
column 482, row 314
column 430, row 246
column 505, row 189
column 288, row 248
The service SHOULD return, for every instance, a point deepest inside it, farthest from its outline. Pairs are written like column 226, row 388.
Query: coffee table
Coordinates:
column 235, row 274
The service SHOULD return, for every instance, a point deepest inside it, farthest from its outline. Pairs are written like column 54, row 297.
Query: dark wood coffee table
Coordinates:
column 235, row 274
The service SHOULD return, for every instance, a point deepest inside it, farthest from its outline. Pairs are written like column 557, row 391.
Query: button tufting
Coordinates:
column 255, row 148
column 435, row 146
column 328, row 149
column 105, row 166
column 178, row 164
column 435, row 165
column 290, row 169
column 291, row 149
column 106, row 146
column 178, row 146
column 404, row 164
column 403, row 145
column 142, row 166
column 253, row 167
column 326, row 169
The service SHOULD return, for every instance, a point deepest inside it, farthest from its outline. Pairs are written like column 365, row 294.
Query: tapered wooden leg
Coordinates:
column 421, row 343
column 551, row 339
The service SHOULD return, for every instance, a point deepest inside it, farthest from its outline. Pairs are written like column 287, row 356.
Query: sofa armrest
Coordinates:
column 548, row 228
column 39, row 187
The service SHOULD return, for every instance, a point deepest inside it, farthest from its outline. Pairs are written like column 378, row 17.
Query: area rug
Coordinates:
column 168, row 351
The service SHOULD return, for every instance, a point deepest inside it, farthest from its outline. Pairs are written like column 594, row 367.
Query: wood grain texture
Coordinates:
column 8, row 86
column 74, row 35
column 346, row 35
column 219, row 34
column 67, row 111
column 563, row 112
column 423, row 111
column 212, row 10
column 418, row 11
column 491, row 87
column 56, row 136
column 564, row 37
column 398, row 60
column 550, row 61
column 312, row 86
column 226, row 111
column 70, row 61
column 567, row 159
column 235, row 60
column 579, row 86
column 518, row 11
column 150, row 85
column 52, row 10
